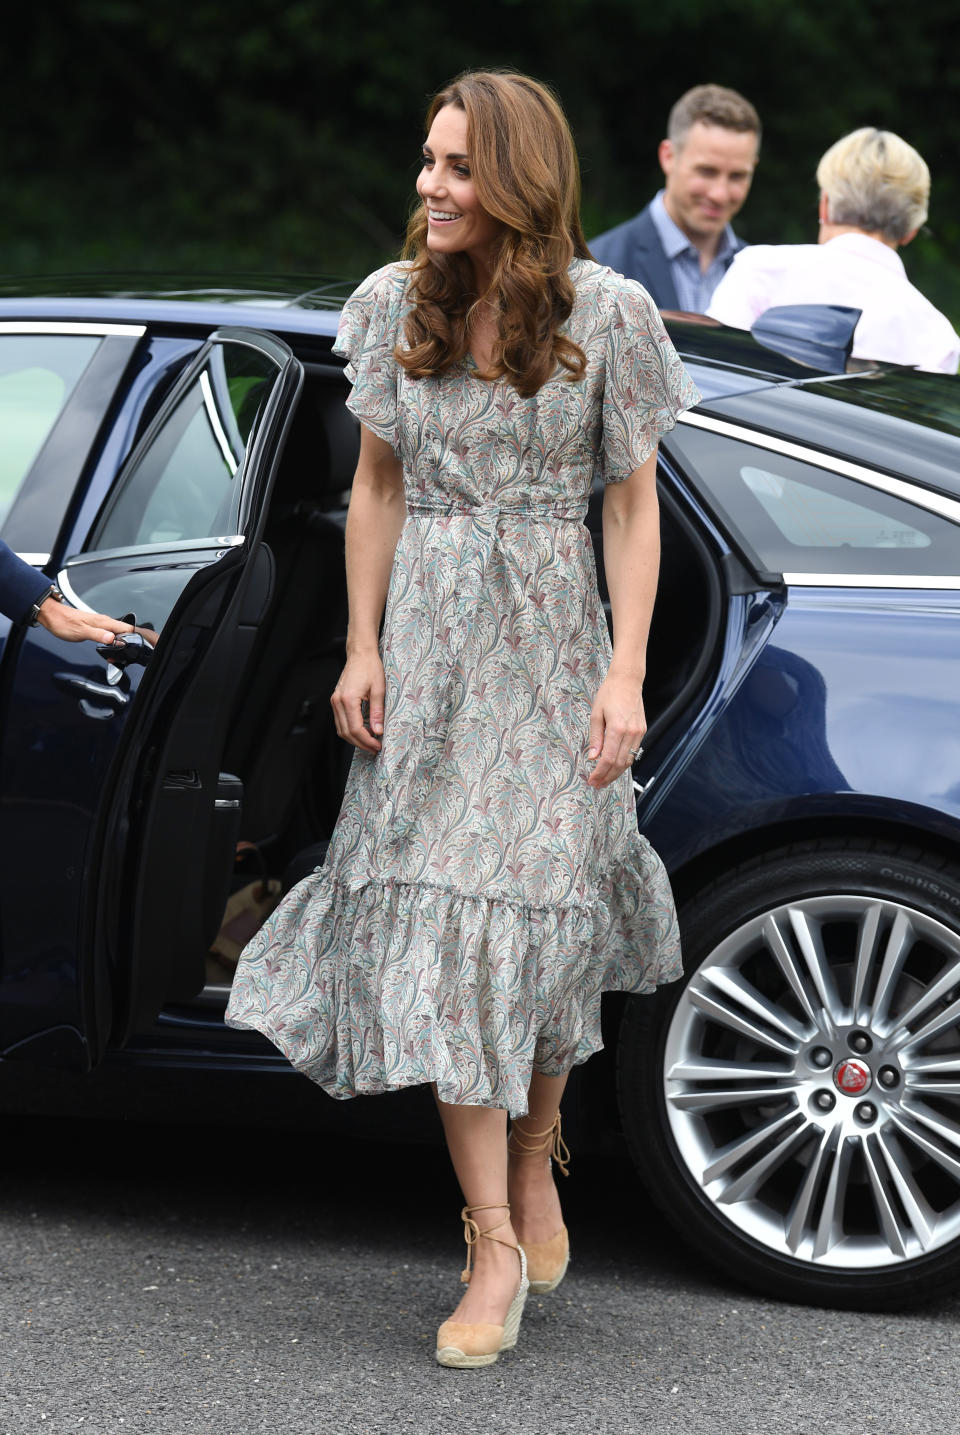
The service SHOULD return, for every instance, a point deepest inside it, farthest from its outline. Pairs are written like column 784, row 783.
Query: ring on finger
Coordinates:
column 635, row 753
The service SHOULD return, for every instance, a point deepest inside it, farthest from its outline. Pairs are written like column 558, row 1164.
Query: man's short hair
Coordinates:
column 711, row 105
column 877, row 182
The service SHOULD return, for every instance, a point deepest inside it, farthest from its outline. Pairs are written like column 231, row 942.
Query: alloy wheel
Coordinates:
column 812, row 1081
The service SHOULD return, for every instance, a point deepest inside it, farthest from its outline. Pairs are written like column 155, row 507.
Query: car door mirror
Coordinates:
column 820, row 335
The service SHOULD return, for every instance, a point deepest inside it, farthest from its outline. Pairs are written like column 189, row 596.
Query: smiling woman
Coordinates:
column 456, row 220
column 511, row 226
column 486, row 879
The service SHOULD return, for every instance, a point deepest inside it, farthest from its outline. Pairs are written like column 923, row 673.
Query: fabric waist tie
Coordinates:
column 404, row 772
column 498, row 512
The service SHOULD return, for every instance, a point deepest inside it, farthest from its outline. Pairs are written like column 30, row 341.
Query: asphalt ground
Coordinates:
column 194, row 1281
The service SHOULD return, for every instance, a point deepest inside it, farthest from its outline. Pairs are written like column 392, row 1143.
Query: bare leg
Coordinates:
column 477, row 1142
column 535, row 1204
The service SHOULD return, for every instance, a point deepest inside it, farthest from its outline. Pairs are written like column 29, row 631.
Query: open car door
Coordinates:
column 116, row 921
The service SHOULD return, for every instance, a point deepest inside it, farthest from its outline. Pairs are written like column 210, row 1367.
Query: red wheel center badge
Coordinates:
column 852, row 1077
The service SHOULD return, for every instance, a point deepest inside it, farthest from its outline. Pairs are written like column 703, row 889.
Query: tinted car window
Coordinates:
column 184, row 484
column 904, row 423
column 38, row 373
column 793, row 517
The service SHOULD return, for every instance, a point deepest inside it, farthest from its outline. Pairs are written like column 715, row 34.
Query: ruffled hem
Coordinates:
column 376, row 988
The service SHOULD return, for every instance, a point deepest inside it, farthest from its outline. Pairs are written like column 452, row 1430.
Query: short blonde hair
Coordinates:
column 877, row 182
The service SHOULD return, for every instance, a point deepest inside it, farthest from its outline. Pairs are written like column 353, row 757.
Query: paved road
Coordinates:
column 155, row 1280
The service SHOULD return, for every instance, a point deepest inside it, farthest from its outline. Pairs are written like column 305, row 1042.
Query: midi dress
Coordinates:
column 477, row 896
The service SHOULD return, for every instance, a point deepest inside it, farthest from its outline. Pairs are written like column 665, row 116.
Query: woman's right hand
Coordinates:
column 361, row 689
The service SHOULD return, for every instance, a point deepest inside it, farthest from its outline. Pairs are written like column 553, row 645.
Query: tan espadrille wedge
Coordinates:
column 465, row 1346
column 547, row 1261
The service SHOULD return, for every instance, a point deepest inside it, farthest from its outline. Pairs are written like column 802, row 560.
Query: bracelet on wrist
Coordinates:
column 33, row 617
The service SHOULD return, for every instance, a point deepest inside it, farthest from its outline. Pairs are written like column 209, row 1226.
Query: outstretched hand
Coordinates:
column 358, row 699
column 617, row 726
column 75, row 625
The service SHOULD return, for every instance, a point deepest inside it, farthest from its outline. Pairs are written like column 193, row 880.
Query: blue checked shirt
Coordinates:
column 694, row 289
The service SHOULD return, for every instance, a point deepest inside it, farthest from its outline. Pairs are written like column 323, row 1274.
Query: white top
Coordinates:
column 898, row 324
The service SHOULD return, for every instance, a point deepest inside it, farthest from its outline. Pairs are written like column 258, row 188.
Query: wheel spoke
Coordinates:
column 707, row 1069
column 723, row 1014
column 868, row 943
column 898, row 946
column 933, row 1064
column 887, row 1211
column 799, row 1227
column 909, row 1040
column 830, row 1225
column 808, row 939
column 930, row 996
column 947, row 1130
column 933, row 1075
column 919, row 1214
column 717, row 1098
column 917, row 1136
column 734, row 1152
column 737, row 989
column 775, row 939
column 749, row 1181
column 945, row 1086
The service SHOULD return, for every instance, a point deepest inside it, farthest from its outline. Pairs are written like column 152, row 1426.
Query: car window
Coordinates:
column 185, row 483
column 38, row 373
column 808, row 515
column 794, row 517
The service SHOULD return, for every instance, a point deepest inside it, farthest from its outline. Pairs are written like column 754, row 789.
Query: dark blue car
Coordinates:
column 185, row 457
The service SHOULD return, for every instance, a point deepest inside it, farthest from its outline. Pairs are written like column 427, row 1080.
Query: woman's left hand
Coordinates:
column 617, row 726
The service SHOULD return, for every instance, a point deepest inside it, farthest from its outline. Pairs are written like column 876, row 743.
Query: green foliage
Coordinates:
column 219, row 137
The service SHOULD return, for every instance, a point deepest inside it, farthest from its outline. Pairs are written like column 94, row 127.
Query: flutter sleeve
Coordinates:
column 645, row 384
column 368, row 333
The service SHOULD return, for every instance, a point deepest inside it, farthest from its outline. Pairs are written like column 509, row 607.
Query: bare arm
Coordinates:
column 631, row 556
column 374, row 521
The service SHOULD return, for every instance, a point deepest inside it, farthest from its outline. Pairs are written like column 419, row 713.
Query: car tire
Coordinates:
column 793, row 1102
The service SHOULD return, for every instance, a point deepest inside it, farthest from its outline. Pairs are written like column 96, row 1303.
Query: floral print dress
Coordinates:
column 477, row 896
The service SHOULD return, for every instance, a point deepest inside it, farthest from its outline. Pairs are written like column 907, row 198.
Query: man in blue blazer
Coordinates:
column 26, row 596
column 682, row 244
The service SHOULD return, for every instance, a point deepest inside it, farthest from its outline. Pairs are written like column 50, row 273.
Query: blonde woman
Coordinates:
column 486, row 881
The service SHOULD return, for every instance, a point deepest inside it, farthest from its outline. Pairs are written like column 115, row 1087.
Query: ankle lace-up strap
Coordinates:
column 472, row 1233
column 532, row 1143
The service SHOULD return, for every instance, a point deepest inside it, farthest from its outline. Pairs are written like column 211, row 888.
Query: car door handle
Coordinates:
column 94, row 696
column 125, row 650
column 640, row 788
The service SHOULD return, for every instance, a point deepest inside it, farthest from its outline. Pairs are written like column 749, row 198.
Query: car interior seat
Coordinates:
column 283, row 735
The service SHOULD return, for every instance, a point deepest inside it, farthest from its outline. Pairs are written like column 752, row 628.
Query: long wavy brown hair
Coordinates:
column 525, row 171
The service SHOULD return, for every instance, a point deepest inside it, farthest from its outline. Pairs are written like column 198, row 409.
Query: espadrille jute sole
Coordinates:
column 547, row 1261
column 502, row 1337
column 511, row 1326
column 455, row 1359
column 544, row 1287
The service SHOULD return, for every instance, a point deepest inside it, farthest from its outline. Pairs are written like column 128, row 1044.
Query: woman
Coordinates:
column 486, row 880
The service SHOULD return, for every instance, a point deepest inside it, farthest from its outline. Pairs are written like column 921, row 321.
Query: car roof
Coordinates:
column 290, row 303
column 726, row 361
